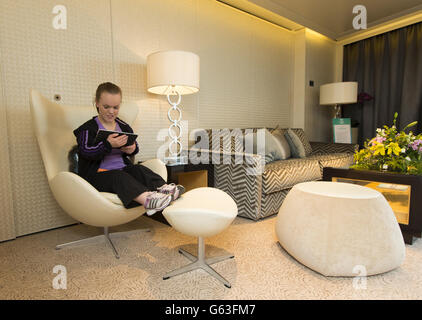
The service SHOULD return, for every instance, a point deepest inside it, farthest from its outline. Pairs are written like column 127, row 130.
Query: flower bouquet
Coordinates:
column 391, row 151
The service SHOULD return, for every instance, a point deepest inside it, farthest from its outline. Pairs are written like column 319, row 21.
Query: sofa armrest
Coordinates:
column 327, row 147
column 239, row 175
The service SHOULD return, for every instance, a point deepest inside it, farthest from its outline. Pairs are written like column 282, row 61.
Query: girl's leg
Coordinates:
column 143, row 197
column 145, row 176
column 127, row 188
column 123, row 184
column 130, row 191
column 154, row 181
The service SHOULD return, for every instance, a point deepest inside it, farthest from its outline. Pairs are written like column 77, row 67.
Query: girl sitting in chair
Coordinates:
column 106, row 165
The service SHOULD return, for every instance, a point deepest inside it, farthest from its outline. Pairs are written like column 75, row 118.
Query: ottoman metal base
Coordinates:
column 200, row 263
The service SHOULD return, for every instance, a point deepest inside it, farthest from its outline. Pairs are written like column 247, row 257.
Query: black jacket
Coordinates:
column 90, row 155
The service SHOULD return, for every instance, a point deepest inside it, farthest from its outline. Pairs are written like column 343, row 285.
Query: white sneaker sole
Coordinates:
column 150, row 212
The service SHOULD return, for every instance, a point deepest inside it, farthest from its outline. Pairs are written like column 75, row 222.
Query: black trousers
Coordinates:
column 127, row 183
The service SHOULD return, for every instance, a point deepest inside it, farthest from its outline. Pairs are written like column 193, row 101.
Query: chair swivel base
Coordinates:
column 105, row 236
column 200, row 263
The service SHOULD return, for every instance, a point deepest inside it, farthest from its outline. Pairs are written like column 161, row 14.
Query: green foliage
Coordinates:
column 392, row 151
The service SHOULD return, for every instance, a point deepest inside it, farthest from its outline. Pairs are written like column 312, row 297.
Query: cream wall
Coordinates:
column 299, row 96
column 7, row 224
column 321, row 68
column 315, row 59
column 247, row 72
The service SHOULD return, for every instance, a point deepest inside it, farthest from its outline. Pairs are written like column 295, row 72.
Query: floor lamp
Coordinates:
column 173, row 73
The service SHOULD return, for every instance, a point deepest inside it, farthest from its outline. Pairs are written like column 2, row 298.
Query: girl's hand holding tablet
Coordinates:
column 117, row 141
column 128, row 149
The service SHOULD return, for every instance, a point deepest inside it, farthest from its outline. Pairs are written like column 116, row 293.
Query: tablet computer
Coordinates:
column 103, row 134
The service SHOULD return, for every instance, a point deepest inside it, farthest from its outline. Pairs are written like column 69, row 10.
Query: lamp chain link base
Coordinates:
column 175, row 145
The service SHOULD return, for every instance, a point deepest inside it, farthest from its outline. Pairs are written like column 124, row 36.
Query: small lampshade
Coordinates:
column 338, row 93
column 169, row 71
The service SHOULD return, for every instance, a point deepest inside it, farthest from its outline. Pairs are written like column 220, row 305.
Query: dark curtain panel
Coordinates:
column 388, row 68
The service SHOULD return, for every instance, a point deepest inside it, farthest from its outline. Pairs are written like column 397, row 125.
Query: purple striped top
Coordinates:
column 114, row 160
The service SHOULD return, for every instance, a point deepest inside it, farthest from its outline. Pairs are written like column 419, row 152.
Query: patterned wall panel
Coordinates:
column 246, row 78
column 69, row 62
column 7, row 224
column 245, row 65
column 140, row 28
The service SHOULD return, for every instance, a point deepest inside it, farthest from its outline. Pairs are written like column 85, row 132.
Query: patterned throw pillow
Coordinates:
column 279, row 135
column 273, row 150
column 296, row 146
column 302, row 136
column 269, row 158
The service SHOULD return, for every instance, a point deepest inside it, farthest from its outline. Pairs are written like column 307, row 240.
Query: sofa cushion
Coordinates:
column 336, row 160
column 300, row 133
column 273, row 148
column 228, row 140
column 327, row 147
column 279, row 135
column 304, row 139
column 296, row 146
column 231, row 140
column 283, row 174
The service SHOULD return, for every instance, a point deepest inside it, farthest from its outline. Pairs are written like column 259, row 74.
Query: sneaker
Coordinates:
column 172, row 189
column 156, row 202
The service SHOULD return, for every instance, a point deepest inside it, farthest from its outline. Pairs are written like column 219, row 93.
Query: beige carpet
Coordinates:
column 261, row 268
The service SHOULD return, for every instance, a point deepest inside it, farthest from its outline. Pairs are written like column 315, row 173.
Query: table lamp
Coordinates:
column 173, row 73
column 338, row 93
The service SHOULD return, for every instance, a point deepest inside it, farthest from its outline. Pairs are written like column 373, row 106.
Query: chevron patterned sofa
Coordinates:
column 258, row 188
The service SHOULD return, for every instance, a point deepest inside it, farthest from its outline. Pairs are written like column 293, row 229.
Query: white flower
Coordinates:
column 378, row 130
column 385, row 166
column 407, row 158
column 403, row 150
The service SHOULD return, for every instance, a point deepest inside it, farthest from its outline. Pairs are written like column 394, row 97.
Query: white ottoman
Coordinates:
column 201, row 212
column 336, row 228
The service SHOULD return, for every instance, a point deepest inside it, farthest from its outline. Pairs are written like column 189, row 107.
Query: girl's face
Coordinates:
column 108, row 107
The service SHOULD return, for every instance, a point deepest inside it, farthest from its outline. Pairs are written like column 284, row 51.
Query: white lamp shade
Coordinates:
column 169, row 71
column 338, row 93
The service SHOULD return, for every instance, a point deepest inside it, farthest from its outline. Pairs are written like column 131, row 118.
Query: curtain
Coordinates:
column 388, row 69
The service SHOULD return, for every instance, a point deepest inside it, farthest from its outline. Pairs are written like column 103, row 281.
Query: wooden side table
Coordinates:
column 191, row 176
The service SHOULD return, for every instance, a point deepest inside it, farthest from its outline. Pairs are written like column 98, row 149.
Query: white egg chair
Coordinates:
column 54, row 124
